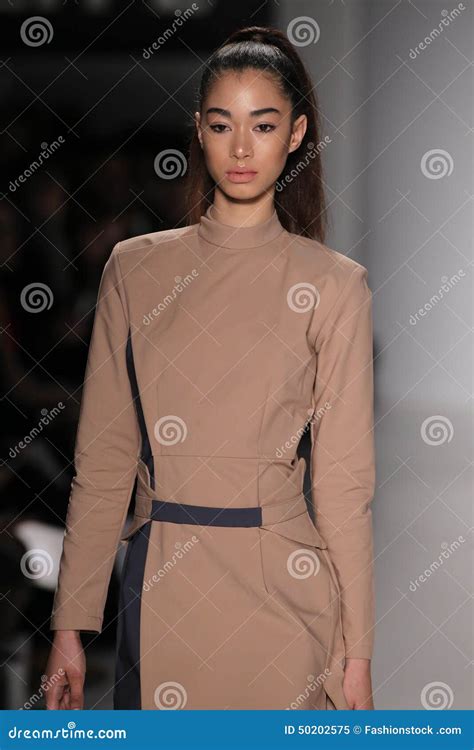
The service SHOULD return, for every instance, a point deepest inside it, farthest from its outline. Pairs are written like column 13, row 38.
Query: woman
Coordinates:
column 214, row 347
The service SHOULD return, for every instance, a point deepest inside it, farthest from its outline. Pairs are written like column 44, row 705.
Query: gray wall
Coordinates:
column 395, row 210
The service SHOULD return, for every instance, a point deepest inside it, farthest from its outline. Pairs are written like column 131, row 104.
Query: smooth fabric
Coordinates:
column 213, row 349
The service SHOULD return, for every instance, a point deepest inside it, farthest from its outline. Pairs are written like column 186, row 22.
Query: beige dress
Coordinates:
column 213, row 349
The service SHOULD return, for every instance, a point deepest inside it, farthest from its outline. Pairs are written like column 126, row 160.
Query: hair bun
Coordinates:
column 258, row 34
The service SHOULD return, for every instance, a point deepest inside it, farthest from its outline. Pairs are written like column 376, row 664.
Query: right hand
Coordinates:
column 65, row 672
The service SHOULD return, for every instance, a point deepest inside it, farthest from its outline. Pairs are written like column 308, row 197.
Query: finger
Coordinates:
column 62, row 704
column 77, row 695
column 53, row 697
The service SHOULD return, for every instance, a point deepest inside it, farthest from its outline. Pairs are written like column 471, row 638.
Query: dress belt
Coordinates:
column 205, row 516
column 288, row 517
column 202, row 515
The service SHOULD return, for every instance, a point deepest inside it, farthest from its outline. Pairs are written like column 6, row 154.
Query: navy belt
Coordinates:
column 204, row 515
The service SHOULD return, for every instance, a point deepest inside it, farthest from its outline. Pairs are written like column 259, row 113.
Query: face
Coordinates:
column 246, row 126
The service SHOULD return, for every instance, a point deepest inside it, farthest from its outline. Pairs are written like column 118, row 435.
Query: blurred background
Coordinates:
column 97, row 99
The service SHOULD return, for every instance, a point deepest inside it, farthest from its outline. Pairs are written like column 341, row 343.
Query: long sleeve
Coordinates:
column 105, row 460
column 343, row 455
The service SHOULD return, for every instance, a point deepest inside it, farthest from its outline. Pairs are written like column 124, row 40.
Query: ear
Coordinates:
column 297, row 133
column 197, row 120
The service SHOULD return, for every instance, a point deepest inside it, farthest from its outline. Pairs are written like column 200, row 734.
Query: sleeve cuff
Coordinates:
column 85, row 623
column 359, row 651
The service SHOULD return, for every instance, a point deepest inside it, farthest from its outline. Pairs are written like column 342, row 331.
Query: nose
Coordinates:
column 241, row 146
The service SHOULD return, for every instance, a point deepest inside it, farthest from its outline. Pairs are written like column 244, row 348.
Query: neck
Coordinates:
column 238, row 236
column 242, row 213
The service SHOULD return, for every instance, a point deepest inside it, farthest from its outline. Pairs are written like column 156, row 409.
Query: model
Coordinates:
column 215, row 346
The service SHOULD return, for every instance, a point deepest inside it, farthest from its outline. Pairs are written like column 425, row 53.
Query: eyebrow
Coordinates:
column 253, row 113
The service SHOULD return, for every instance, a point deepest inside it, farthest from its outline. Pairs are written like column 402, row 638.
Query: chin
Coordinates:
column 246, row 190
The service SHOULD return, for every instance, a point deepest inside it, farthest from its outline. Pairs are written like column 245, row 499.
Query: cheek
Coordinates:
column 272, row 154
column 273, row 166
column 215, row 157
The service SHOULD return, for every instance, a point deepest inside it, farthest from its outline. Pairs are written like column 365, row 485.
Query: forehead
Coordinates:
column 242, row 92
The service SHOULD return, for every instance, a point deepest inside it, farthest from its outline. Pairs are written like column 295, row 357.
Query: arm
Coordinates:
column 343, row 456
column 106, row 454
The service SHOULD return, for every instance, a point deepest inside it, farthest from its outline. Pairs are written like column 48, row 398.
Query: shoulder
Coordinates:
column 332, row 270
column 133, row 254
column 143, row 243
column 338, row 282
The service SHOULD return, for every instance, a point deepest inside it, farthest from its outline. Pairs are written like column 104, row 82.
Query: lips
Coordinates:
column 241, row 176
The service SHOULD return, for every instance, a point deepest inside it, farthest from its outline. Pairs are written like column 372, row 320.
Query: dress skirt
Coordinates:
column 227, row 616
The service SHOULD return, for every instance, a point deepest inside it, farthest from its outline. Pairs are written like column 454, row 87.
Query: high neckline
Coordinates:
column 238, row 238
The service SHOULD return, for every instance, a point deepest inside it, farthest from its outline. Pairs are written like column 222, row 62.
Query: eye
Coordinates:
column 266, row 125
column 215, row 127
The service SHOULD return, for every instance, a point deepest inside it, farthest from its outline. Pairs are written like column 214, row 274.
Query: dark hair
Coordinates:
column 300, row 205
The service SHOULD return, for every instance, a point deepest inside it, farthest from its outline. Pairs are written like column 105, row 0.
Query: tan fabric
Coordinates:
column 241, row 336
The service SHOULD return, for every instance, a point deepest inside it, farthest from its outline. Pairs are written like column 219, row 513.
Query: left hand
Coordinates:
column 357, row 684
